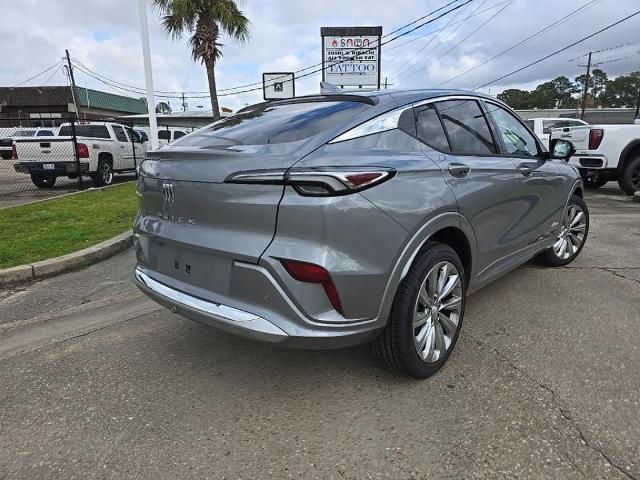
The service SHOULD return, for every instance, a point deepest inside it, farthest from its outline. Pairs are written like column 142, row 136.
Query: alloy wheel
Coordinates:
column 572, row 234
column 437, row 312
column 107, row 173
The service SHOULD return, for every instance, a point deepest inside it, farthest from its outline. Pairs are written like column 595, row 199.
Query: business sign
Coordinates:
column 278, row 85
column 351, row 56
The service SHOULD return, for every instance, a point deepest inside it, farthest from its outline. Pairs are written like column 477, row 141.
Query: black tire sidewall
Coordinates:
column 625, row 182
column 403, row 309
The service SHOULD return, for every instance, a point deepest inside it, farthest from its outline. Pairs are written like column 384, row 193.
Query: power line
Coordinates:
column 408, row 62
column 449, row 25
column 139, row 91
column 464, row 39
column 38, row 74
column 526, row 40
column 583, row 39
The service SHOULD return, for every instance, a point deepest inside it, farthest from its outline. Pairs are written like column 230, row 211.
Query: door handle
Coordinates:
column 459, row 170
column 525, row 170
column 121, row 146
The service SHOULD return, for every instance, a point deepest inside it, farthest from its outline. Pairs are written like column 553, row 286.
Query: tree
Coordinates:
column 205, row 21
column 622, row 91
column 597, row 83
column 516, row 98
column 163, row 107
column 564, row 91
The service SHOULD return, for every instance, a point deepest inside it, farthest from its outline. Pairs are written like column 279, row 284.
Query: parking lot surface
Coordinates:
column 98, row 382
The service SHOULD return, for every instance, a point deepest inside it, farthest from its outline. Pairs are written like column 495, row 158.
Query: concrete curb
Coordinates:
column 636, row 197
column 66, row 263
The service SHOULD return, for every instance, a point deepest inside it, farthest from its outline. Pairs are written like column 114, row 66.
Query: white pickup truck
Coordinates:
column 102, row 148
column 542, row 126
column 604, row 153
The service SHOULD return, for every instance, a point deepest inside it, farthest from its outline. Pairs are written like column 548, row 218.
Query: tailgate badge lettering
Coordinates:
column 168, row 193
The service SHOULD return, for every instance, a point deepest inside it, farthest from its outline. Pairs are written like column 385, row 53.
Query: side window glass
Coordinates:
column 177, row 134
column 430, row 129
column 164, row 134
column 120, row 135
column 517, row 140
column 467, row 128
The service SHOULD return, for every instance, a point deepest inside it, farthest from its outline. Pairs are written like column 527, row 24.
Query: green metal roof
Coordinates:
column 89, row 98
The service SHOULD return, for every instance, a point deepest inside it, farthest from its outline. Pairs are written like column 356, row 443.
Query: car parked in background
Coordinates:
column 103, row 148
column 605, row 153
column 331, row 220
column 6, row 144
column 168, row 135
column 542, row 126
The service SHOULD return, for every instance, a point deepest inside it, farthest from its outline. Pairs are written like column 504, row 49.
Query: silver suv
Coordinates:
column 327, row 221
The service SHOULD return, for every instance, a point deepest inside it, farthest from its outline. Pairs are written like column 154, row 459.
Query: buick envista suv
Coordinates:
column 330, row 220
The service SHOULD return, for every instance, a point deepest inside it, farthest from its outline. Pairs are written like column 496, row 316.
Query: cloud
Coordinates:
column 285, row 35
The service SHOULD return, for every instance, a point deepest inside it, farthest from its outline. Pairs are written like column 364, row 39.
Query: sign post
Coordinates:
column 278, row 85
column 351, row 56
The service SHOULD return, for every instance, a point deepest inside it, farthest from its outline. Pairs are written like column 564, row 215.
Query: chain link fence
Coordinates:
column 39, row 161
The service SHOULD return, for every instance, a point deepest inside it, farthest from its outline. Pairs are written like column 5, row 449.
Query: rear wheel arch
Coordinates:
column 629, row 152
column 106, row 156
column 447, row 226
column 458, row 241
column 577, row 191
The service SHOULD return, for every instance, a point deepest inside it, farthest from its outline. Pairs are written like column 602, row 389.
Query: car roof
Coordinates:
column 556, row 118
column 398, row 97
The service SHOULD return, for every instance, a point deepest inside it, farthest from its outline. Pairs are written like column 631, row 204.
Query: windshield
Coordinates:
column 275, row 123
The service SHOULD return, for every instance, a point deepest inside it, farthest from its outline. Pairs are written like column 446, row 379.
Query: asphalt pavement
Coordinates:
column 98, row 382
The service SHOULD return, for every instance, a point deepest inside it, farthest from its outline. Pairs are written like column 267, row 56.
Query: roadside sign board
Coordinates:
column 351, row 56
column 278, row 85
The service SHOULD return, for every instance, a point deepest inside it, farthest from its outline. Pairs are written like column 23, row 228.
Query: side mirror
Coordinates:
column 561, row 149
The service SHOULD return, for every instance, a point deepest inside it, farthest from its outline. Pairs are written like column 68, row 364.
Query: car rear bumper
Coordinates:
column 59, row 168
column 284, row 326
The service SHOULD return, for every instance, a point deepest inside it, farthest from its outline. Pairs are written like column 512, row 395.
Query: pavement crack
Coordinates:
column 555, row 400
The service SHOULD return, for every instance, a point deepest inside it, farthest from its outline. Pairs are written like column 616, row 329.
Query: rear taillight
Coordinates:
column 595, row 138
column 14, row 152
column 320, row 182
column 83, row 150
column 310, row 273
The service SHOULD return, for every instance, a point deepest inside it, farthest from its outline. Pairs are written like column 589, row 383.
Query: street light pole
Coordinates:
column 148, row 74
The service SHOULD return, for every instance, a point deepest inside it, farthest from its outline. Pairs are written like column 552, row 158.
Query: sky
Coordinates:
column 104, row 36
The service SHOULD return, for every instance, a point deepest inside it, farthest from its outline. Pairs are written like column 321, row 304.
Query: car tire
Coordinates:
column 572, row 237
column 104, row 174
column 43, row 181
column 414, row 342
column 594, row 181
column 629, row 180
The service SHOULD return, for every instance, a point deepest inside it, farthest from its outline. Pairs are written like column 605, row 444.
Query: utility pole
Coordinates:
column 73, row 82
column 586, row 87
column 184, row 105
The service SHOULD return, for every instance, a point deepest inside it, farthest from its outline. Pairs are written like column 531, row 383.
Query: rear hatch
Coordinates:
column 193, row 224
column 579, row 136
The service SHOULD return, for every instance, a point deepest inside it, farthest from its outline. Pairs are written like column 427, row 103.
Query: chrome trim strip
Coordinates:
column 229, row 315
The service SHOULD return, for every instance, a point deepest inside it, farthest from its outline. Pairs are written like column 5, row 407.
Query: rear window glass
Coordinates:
column 430, row 129
column 24, row 133
column 531, row 124
column 467, row 128
column 44, row 133
column 93, row 131
column 275, row 123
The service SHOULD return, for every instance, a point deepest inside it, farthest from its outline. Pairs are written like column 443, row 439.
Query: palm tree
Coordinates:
column 205, row 20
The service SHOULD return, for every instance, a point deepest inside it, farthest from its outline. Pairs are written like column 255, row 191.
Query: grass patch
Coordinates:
column 42, row 230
